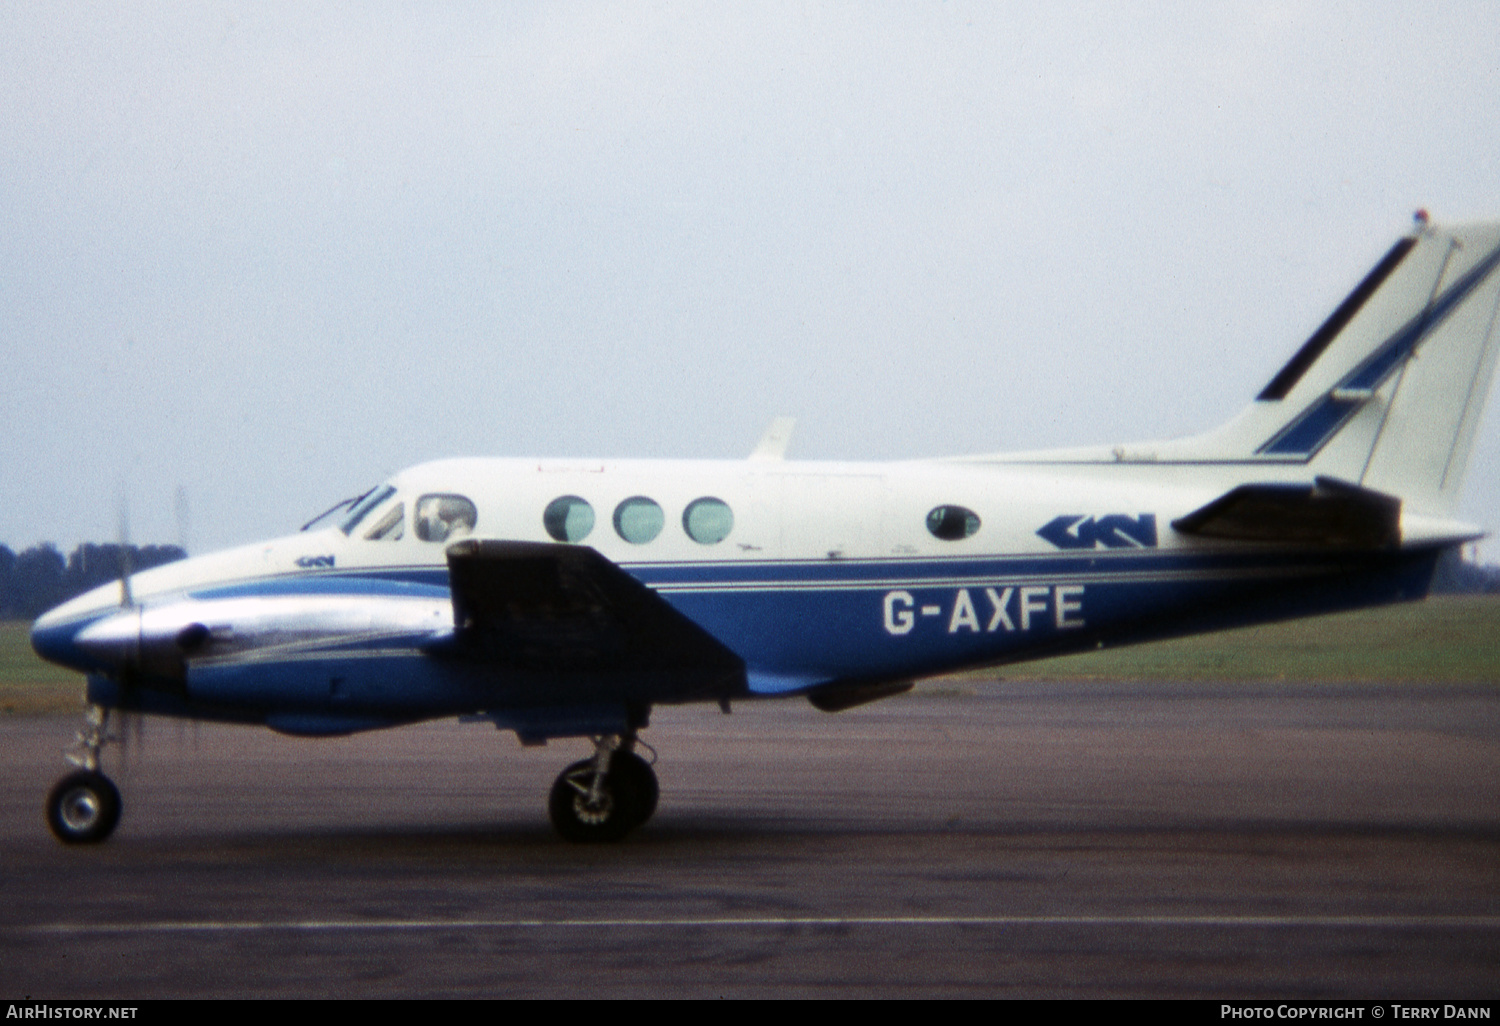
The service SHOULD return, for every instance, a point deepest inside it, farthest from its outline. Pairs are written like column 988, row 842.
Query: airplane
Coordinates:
column 566, row 598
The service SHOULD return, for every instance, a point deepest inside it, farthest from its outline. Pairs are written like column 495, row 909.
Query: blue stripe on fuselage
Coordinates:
column 837, row 574
column 827, row 620
column 801, row 624
column 399, row 582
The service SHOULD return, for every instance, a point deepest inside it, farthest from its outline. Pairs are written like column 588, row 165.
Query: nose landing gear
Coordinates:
column 84, row 806
column 604, row 798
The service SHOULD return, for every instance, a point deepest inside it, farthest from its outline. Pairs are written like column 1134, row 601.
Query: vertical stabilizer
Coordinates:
column 1388, row 392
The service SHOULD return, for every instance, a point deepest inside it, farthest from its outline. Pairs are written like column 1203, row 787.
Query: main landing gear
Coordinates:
column 606, row 797
column 593, row 800
column 84, row 806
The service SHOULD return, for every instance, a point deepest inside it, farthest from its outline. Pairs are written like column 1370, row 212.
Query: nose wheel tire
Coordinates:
column 586, row 811
column 83, row 808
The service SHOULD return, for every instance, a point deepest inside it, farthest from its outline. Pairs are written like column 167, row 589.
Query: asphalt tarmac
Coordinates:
column 1081, row 840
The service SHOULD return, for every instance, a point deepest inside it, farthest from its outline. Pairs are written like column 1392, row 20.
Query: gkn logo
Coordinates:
column 1114, row 531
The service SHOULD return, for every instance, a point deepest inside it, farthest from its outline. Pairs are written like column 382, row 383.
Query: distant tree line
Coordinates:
column 1457, row 576
column 39, row 578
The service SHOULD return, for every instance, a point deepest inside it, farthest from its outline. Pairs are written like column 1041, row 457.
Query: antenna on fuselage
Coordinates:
column 772, row 445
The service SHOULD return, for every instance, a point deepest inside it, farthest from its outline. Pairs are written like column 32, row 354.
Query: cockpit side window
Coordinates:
column 362, row 508
column 441, row 518
column 391, row 526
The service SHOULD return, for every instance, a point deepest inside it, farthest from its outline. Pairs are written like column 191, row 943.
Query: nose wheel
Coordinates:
column 84, row 806
column 606, row 797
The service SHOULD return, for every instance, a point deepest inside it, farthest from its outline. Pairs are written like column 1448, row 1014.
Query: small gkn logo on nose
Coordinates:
column 1115, row 531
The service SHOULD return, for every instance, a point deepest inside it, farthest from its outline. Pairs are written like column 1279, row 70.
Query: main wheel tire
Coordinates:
column 582, row 821
column 83, row 808
column 642, row 778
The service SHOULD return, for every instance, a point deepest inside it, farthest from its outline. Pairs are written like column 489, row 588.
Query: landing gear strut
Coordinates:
column 84, row 806
column 604, row 798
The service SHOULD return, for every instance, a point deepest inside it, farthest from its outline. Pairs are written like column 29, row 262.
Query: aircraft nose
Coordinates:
column 120, row 641
column 56, row 643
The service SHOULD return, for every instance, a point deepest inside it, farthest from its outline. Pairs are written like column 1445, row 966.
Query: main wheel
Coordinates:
column 83, row 808
column 642, row 778
column 583, row 817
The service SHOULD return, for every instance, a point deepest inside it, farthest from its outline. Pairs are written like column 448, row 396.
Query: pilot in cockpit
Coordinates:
column 441, row 518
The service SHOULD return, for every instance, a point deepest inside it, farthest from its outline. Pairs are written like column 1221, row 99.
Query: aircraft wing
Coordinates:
column 539, row 606
column 1327, row 512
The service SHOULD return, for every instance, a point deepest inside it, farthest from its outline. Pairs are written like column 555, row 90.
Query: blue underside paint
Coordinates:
column 796, row 625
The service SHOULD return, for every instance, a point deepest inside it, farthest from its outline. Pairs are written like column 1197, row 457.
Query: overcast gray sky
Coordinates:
column 270, row 254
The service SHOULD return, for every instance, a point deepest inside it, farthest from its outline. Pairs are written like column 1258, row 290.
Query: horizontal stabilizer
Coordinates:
column 1418, row 531
column 1327, row 512
column 538, row 606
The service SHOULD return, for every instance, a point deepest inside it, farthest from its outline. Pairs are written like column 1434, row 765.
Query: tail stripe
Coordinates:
column 1286, row 379
column 1309, row 432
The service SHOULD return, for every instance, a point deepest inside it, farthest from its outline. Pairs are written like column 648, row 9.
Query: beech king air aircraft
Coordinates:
column 567, row 598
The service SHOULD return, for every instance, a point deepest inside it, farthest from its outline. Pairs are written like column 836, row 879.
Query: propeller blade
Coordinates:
column 181, row 504
column 127, row 601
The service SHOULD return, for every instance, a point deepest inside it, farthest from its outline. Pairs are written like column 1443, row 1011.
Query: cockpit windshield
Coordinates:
column 331, row 514
column 361, row 509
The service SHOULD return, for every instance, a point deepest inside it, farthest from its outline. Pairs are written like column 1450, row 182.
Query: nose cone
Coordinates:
column 55, row 641
column 54, row 636
column 147, row 645
column 92, row 639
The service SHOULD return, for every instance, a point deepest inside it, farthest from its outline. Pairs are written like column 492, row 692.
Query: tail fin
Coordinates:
column 1388, row 393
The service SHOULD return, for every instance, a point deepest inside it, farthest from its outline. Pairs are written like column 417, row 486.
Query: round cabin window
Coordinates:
column 952, row 523
column 638, row 520
column 708, row 521
column 568, row 519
